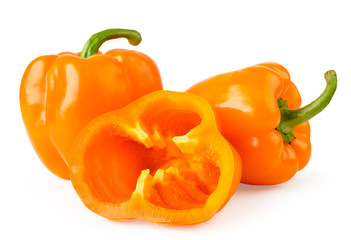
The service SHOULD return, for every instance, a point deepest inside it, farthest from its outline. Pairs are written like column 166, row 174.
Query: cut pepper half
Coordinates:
column 160, row 159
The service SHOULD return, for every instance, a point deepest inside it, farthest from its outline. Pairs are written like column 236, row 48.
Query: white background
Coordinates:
column 190, row 41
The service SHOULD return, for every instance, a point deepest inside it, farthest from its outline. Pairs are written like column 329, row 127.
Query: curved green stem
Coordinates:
column 292, row 118
column 94, row 42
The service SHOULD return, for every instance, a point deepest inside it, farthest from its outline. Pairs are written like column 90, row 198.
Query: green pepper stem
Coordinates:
column 292, row 118
column 94, row 42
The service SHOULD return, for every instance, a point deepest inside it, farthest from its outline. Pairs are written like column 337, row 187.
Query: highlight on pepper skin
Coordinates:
column 160, row 159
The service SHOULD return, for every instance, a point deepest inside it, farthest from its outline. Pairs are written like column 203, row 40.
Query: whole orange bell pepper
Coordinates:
column 258, row 109
column 61, row 93
column 160, row 158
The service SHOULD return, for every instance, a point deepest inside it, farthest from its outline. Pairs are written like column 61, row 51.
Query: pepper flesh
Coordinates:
column 160, row 158
column 246, row 104
column 59, row 94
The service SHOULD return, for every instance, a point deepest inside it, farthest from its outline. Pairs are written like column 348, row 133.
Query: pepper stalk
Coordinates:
column 94, row 42
column 291, row 118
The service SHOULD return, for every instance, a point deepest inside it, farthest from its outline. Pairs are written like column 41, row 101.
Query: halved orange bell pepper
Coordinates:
column 61, row 93
column 160, row 158
column 258, row 109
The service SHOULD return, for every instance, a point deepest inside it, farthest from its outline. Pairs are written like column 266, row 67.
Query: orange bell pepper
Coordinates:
column 258, row 109
column 61, row 93
column 160, row 158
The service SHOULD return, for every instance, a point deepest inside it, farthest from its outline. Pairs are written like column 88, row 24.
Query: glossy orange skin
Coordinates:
column 245, row 103
column 161, row 158
column 61, row 93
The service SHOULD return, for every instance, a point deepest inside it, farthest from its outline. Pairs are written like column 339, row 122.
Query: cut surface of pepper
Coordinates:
column 61, row 93
column 259, row 112
column 161, row 159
